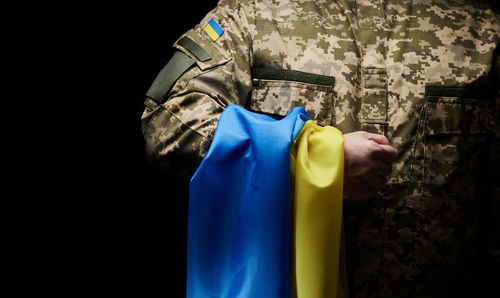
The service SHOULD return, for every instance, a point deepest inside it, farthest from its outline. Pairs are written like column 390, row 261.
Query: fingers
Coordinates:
column 384, row 168
column 376, row 177
column 379, row 139
column 388, row 153
column 368, row 161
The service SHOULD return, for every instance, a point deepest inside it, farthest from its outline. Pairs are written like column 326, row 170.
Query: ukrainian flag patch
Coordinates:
column 213, row 29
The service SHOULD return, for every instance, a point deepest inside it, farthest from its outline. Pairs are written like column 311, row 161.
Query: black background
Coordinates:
column 83, row 213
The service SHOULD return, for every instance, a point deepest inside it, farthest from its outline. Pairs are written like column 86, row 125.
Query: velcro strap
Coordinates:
column 292, row 75
column 194, row 48
column 176, row 66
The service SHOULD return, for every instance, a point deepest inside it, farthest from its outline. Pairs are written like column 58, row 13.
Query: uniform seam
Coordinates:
column 251, row 33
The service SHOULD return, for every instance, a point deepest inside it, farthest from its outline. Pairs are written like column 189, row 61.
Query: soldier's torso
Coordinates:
column 419, row 73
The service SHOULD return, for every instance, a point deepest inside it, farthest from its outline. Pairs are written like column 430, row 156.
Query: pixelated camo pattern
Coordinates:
column 423, row 73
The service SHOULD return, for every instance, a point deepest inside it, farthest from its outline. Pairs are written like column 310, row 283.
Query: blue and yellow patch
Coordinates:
column 213, row 30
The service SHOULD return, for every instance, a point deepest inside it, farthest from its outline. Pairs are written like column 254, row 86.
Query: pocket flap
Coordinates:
column 277, row 91
column 455, row 110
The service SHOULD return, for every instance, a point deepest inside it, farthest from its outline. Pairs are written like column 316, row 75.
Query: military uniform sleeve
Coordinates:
column 492, row 207
column 178, row 128
column 494, row 174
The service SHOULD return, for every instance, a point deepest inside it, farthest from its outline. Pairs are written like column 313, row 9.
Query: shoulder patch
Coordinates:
column 213, row 29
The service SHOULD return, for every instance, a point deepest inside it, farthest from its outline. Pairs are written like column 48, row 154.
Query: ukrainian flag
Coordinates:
column 265, row 210
column 213, row 29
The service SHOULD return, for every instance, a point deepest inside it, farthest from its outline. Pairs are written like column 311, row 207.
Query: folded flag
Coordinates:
column 242, row 241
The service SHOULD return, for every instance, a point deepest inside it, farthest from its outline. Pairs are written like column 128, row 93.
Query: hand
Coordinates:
column 368, row 160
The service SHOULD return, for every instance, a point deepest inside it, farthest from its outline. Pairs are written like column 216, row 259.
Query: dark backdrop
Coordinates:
column 82, row 212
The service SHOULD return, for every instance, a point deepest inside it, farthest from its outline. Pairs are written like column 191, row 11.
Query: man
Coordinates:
column 416, row 77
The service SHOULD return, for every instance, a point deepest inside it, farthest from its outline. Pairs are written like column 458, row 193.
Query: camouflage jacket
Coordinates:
column 424, row 73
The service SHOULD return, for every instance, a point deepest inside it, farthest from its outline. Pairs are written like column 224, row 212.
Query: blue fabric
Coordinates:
column 238, row 224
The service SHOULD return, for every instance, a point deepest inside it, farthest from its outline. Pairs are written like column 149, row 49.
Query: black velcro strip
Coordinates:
column 176, row 66
column 457, row 91
column 292, row 75
column 194, row 48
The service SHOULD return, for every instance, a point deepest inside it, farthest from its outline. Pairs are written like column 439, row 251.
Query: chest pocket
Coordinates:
column 276, row 91
column 454, row 128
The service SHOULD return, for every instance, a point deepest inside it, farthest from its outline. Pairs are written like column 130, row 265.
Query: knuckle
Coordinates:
column 363, row 134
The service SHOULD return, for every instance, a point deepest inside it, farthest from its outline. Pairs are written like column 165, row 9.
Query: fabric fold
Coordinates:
column 317, row 167
column 265, row 216
column 239, row 215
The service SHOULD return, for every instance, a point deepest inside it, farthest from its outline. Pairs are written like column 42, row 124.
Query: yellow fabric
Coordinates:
column 211, row 32
column 317, row 167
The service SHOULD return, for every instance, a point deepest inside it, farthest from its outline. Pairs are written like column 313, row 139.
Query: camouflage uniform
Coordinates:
column 425, row 74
